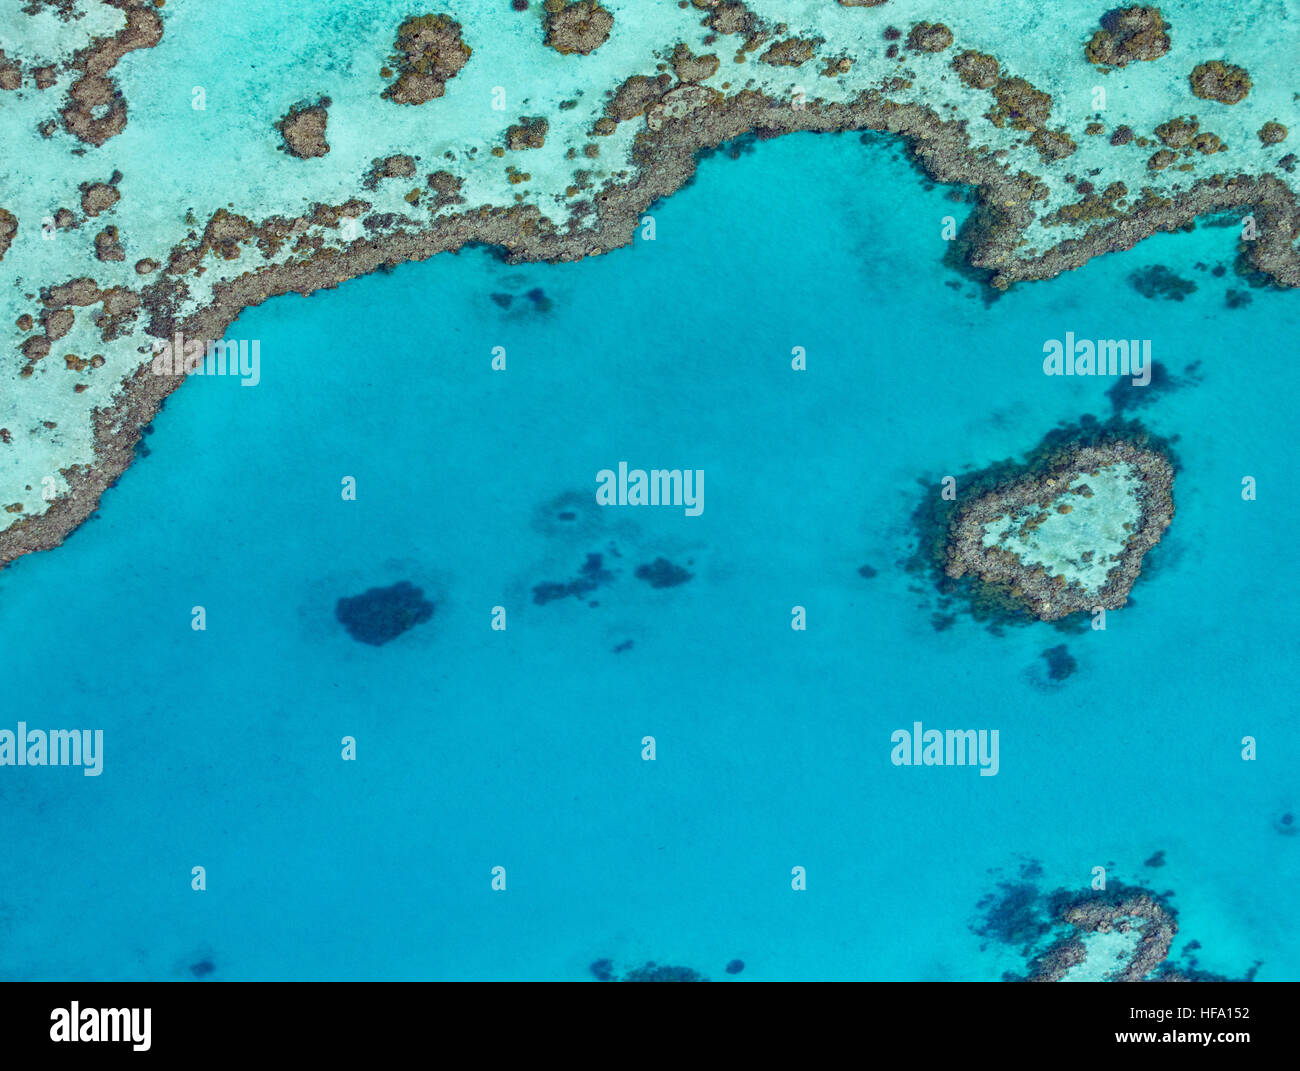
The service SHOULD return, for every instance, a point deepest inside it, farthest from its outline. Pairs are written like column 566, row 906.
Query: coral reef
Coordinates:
column 527, row 133
column 977, row 69
column 184, row 283
column 1015, row 539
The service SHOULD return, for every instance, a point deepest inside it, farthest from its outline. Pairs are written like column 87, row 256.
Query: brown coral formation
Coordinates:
column 1177, row 133
column 8, row 228
column 1127, row 35
column 11, row 74
column 691, row 68
column 1271, row 133
column 303, row 129
column 397, row 166
column 636, row 94
column 527, row 133
column 429, row 53
column 791, row 52
column 1052, row 597
column 1093, row 207
column 929, row 37
column 978, row 70
column 107, row 245
column 1019, row 105
column 97, row 197
column 1220, row 81
column 579, row 27
column 96, row 110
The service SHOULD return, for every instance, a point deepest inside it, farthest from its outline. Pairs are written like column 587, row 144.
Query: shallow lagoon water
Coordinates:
column 522, row 748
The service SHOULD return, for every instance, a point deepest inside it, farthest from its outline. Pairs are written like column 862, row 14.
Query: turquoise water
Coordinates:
column 522, row 748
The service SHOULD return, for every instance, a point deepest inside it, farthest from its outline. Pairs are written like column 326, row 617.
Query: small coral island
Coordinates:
column 1065, row 532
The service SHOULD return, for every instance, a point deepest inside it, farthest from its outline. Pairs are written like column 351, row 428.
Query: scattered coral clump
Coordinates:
column 929, row 37
column 1220, row 81
column 1176, row 133
column 430, row 52
column 1271, row 133
column 978, row 70
column 581, row 27
column 1129, row 34
column 8, row 228
column 527, row 133
column 303, row 129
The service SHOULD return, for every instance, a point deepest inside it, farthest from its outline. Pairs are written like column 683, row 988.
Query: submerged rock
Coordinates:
column 382, row 614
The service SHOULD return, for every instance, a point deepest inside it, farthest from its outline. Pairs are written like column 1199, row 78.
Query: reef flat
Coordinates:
column 144, row 197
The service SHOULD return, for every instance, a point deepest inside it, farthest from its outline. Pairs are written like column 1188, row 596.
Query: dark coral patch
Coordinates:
column 1157, row 281
column 382, row 614
column 653, row 972
column 1060, row 663
column 661, row 573
column 592, row 575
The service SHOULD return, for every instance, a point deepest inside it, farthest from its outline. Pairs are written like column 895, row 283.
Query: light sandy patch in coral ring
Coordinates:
column 1052, row 595
column 1140, row 914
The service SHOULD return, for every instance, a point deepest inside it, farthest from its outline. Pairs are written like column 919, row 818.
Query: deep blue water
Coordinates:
column 522, row 748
